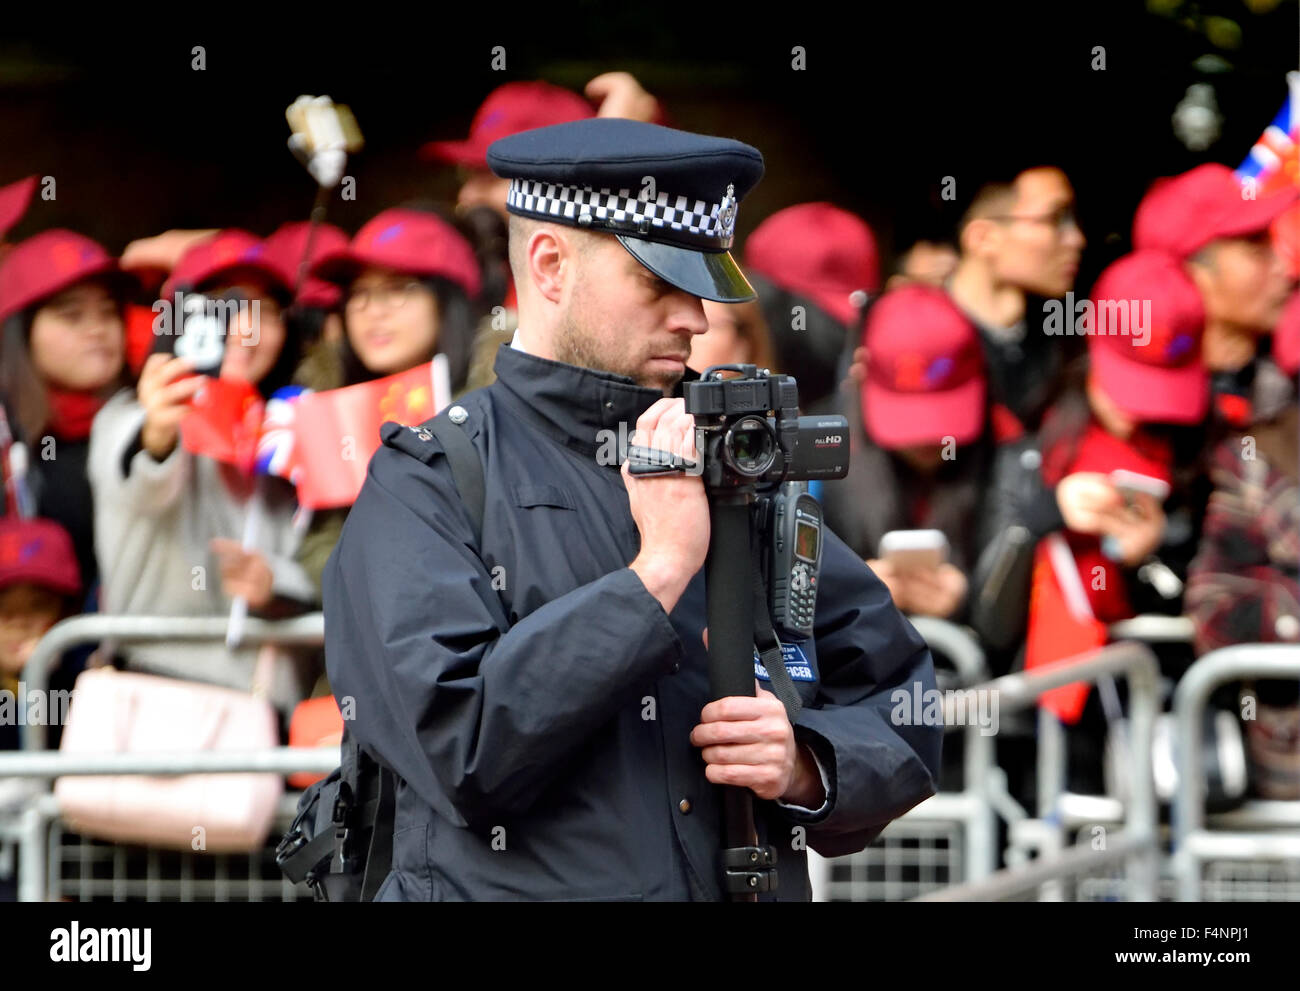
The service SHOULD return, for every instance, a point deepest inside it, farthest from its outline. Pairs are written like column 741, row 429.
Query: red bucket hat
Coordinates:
column 285, row 249
column 40, row 552
column 48, row 263
column 224, row 252
column 408, row 241
column 508, row 110
column 1145, row 347
column 925, row 370
column 819, row 251
column 1184, row 213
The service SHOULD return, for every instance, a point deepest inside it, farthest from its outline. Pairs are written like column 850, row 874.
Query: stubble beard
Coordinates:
column 574, row 344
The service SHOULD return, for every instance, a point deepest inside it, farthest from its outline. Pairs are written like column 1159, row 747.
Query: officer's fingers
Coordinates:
column 730, row 732
column 671, row 428
column 733, row 707
column 746, row 753
column 647, row 421
column 762, row 779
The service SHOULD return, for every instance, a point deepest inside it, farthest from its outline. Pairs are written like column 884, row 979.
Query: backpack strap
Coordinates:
column 452, row 427
column 379, row 857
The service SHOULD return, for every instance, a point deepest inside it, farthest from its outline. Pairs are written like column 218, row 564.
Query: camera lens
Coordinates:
column 749, row 446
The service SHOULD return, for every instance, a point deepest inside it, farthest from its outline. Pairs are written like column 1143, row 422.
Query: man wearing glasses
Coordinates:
column 1019, row 242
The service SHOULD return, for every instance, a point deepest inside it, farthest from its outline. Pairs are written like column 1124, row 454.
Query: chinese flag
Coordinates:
column 224, row 421
column 1059, row 625
column 336, row 432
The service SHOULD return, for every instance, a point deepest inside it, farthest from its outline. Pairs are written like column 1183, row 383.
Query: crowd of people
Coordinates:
column 1086, row 460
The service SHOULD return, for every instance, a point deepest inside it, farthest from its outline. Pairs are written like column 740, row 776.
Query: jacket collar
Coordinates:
column 573, row 405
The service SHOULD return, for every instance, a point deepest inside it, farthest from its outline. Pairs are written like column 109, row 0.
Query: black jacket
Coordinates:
column 534, row 699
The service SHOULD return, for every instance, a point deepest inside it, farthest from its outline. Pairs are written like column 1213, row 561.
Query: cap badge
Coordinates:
column 727, row 212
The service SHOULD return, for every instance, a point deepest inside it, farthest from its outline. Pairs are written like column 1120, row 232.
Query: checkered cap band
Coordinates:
column 710, row 225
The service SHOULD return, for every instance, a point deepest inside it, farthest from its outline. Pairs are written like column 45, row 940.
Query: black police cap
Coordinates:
column 669, row 196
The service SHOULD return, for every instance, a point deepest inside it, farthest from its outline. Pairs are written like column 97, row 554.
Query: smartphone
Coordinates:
column 198, row 332
column 1130, row 483
column 909, row 550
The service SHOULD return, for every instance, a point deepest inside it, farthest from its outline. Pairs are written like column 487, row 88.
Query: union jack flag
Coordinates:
column 1274, row 162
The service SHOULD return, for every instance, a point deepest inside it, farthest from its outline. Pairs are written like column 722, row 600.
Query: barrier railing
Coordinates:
column 970, row 810
column 1136, row 844
column 1059, row 809
column 34, row 761
column 308, row 630
column 1193, row 843
column 34, row 819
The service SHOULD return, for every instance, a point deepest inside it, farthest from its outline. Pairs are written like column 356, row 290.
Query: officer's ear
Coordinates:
column 549, row 258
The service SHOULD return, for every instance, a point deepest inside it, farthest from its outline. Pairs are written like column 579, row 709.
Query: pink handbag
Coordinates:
column 125, row 712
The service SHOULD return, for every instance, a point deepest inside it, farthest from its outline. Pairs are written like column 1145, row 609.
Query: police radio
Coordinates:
column 791, row 525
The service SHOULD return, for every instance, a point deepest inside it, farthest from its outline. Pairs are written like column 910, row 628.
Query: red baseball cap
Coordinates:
column 819, row 251
column 1145, row 343
column 48, row 263
column 1184, row 213
column 925, row 370
column 13, row 202
column 1286, row 337
column 509, row 109
column 221, row 254
column 40, row 552
column 409, row 241
column 285, row 248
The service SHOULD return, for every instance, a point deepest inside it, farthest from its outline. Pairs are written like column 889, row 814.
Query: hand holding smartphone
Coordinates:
column 914, row 550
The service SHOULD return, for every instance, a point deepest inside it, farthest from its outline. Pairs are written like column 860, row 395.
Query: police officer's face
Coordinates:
column 621, row 317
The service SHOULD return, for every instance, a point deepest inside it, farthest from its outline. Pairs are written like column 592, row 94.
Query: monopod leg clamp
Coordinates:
column 749, row 869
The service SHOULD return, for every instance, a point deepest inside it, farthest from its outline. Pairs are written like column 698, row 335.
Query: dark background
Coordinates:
column 895, row 97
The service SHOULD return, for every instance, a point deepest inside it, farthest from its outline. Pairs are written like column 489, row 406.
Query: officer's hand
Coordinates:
column 749, row 743
column 671, row 511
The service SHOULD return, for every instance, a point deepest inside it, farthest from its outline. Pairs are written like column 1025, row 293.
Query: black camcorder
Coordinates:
column 748, row 430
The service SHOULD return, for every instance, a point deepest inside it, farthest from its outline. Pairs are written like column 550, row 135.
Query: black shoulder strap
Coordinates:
column 466, row 468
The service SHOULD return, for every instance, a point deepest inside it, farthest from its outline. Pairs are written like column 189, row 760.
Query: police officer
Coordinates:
column 541, row 690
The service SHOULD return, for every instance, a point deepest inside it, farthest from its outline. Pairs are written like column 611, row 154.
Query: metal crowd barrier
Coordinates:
column 308, row 630
column 951, row 836
column 1060, row 810
column 29, row 828
column 1261, row 831
column 35, row 818
column 1134, row 846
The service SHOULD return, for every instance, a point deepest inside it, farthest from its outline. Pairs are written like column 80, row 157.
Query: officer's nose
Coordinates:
column 689, row 316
